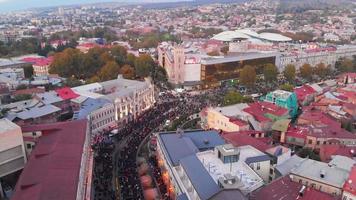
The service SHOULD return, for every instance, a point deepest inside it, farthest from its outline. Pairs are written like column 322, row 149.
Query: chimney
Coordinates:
column 301, row 191
column 322, row 173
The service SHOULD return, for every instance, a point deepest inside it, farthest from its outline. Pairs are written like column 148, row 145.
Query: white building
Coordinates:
column 12, row 151
column 115, row 101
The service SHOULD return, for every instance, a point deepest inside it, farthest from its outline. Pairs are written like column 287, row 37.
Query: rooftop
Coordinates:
column 284, row 188
column 288, row 165
column 238, row 140
column 66, row 93
column 7, row 125
column 52, row 171
column 49, row 97
column 248, row 180
column 88, row 106
column 312, row 169
column 350, row 184
column 203, row 184
column 36, row 112
column 179, row 146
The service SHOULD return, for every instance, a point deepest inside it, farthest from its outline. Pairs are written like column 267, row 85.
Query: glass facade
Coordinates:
column 212, row 75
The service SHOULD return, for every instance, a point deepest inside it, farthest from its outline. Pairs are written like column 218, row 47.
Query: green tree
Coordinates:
column 109, row 71
column 21, row 87
column 127, row 72
column 270, row 72
column 119, row 53
column 68, row 63
column 144, row 65
column 248, row 76
column 72, row 82
column 286, row 87
column 232, row 97
column 306, row 71
column 22, row 97
column 289, row 73
column 345, row 65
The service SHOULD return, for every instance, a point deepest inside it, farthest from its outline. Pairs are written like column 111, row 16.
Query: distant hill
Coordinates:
column 189, row 3
column 304, row 5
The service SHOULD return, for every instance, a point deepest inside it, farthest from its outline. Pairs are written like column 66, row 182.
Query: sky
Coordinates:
column 13, row 5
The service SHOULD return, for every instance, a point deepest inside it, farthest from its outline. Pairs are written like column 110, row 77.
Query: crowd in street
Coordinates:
column 168, row 107
column 103, row 167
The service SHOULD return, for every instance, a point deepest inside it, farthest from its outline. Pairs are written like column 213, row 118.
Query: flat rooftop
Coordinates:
column 249, row 180
column 227, row 59
column 7, row 125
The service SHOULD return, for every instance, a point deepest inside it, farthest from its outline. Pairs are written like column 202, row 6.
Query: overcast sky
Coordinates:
column 11, row 5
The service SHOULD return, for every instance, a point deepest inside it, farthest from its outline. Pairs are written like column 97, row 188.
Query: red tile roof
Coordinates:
column 237, row 140
column 317, row 117
column 29, row 91
column 66, row 93
column 303, row 92
column 237, row 121
column 350, row 184
column 326, row 151
column 284, row 188
column 52, row 171
column 297, row 132
column 37, row 61
column 259, row 109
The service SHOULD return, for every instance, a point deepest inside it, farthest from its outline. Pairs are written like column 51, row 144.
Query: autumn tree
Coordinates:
column 213, row 53
column 68, row 63
column 127, row 72
column 270, row 72
column 109, row 71
column 306, row 71
column 321, row 70
column 143, row 65
column 289, row 73
column 248, row 76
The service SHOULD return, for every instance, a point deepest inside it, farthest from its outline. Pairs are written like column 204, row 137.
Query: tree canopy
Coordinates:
column 248, row 76
column 270, row 73
column 289, row 73
column 306, row 71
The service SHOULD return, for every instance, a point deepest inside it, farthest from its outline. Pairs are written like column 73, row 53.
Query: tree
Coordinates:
column 127, row 72
column 119, row 53
column 248, row 76
column 22, row 97
column 213, row 53
column 289, row 73
column 345, row 65
column 270, row 72
column 109, row 71
column 72, row 82
column 28, row 71
column 306, row 71
column 232, row 97
column 69, row 63
column 144, row 65
column 287, row 87
column 321, row 70
column 308, row 152
column 21, row 87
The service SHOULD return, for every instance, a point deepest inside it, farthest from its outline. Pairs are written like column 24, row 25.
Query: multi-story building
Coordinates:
column 129, row 98
column 199, row 164
column 326, row 177
column 284, row 99
column 12, row 151
column 229, row 118
column 40, row 65
column 60, row 164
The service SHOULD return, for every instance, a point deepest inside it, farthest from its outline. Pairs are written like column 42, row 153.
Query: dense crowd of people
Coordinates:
column 168, row 107
column 103, row 167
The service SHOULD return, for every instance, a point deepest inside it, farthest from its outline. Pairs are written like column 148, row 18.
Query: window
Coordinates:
column 258, row 166
column 34, row 134
column 318, row 142
column 271, row 171
column 29, row 146
column 310, row 141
